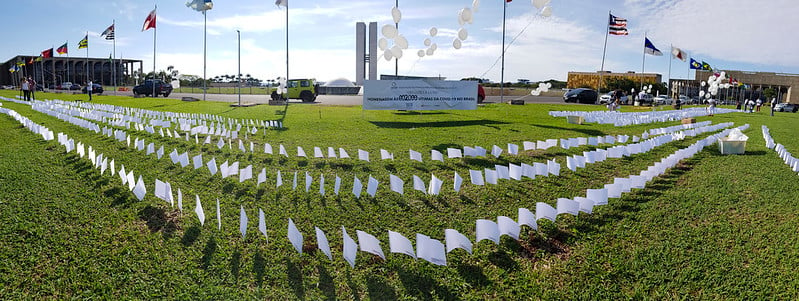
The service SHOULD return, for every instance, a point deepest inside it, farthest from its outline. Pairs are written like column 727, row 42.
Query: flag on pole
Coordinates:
column 695, row 65
column 508, row 1
column 617, row 26
column 21, row 63
column 649, row 48
column 284, row 3
column 13, row 69
column 200, row 5
column 108, row 33
column 149, row 22
column 84, row 43
column 679, row 53
column 30, row 62
column 39, row 59
column 62, row 49
column 47, row 53
column 706, row 66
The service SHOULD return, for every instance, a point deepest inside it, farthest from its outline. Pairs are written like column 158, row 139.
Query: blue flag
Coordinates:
column 695, row 65
column 649, row 48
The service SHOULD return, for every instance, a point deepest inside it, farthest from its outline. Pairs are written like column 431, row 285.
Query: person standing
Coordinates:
column 89, row 87
column 32, row 87
column 25, row 86
column 773, row 105
column 759, row 103
column 711, row 106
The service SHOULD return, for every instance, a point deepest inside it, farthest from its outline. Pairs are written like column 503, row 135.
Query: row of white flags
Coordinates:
column 784, row 154
column 632, row 118
column 396, row 184
column 435, row 155
column 427, row 248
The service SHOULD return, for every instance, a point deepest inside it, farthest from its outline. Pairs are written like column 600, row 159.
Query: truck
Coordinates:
column 146, row 88
column 304, row 89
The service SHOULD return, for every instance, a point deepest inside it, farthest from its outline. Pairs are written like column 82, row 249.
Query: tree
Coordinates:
column 769, row 93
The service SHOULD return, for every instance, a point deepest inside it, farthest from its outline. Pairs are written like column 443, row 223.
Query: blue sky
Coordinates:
column 728, row 34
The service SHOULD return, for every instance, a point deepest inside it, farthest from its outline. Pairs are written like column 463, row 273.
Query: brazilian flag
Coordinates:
column 706, row 66
column 84, row 43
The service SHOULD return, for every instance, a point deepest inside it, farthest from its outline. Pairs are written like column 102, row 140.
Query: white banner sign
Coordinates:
column 419, row 95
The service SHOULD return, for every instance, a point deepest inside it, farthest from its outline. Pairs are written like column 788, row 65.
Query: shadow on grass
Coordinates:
column 235, row 265
column 208, row 253
column 423, row 286
column 353, row 287
column 190, row 236
column 378, row 288
column 406, row 113
column 259, row 267
column 326, row 283
column 589, row 132
column 294, row 276
column 473, row 274
column 437, row 124
column 157, row 220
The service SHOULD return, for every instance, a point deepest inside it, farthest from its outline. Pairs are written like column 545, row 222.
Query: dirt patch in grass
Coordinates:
column 537, row 247
column 160, row 220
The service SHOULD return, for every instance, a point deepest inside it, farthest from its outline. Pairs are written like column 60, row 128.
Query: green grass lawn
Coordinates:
column 716, row 227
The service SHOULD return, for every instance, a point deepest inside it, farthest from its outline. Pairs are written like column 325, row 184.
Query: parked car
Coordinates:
column 646, row 99
column 63, row 86
column 580, row 95
column 146, row 88
column 96, row 89
column 786, row 107
column 663, row 99
column 605, row 98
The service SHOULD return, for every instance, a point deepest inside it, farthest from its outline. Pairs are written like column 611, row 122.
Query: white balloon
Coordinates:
column 540, row 3
column 546, row 12
column 434, row 46
column 701, row 93
column 703, row 83
column 433, row 31
column 427, row 41
column 535, row 92
column 382, row 44
column 707, row 95
column 456, row 44
column 549, row 85
column 463, row 34
column 389, row 31
column 396, row 51
column 475, row 5
column 650, row 87
column 723, row 74
column 429, row 51
column 387, row 54
column 401, row 41
column 420, row 53
column 466, row 15
column 396, row 14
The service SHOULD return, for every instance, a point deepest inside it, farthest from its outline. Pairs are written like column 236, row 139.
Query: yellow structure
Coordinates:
column 591, row 79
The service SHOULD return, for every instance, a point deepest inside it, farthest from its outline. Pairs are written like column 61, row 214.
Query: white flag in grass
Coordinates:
column 267, row 148
column 350, row 248
column 527, row 218
column 212, row 166
column 301, row 152
column 357, row 187
column 363, row 155
column 218, row 216
column 261, row 177
column 416, row 156
column 245, row 174
column 385, row 155
column 370, row 244
column 457, row 182
column 400, row 244
column 496, row 151
column 243, row 220
column 278, row 180
column 131, row 181
column 435, row 185
column 396, row 184
column 322, row 184
column 436, row 156
column 568, row 206
column 331, row 152
column 283, row 151
column 476, row 177
column 198, row 208
column 140, row 190
column 545, row 211
column 487, row 229
column 308, row 181
column 431, row 250
column 322, row 243
column 342, row 153
column 337, row 185
column 371, row 186
column 160, row 152
column 456, row 240
column 262, row 224
column 508, row 226
column 180, row 200
column 295, row 237
column 418, row 184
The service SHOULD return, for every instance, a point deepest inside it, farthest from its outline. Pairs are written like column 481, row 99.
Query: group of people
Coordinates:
column 751, row 105
column 28, row 86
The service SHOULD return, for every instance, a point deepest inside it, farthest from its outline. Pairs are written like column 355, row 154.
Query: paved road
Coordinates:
column 342, row 100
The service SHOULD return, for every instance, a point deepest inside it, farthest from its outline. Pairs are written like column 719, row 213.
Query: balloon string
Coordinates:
column 414, row 65
column 532, row 18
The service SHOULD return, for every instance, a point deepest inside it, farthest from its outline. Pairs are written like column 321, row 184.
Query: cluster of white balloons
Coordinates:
column 542, row 87
column 428, row 42
column 390, row 32
column 714, row 83
column 465, row 16
column 281, row 85
column 543, row 5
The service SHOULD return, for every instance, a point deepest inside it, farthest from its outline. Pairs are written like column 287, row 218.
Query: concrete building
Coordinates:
column 56, row 70
column 361, row 55
column 592, row 79
column 755, row 84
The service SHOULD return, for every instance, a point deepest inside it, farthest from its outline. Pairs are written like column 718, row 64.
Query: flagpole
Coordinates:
column 643, row 61
column 114, row 57
column 502, row 71
column 52, row 63
column 396, row 60
column 86, row 65
column 604, row 49
column 155, row 30
column 68, row 78
column 205, row 22
column 670, row 58
column 287, row 51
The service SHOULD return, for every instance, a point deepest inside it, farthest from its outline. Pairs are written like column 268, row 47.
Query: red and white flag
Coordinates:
column 149, row 22
column 679, row 53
